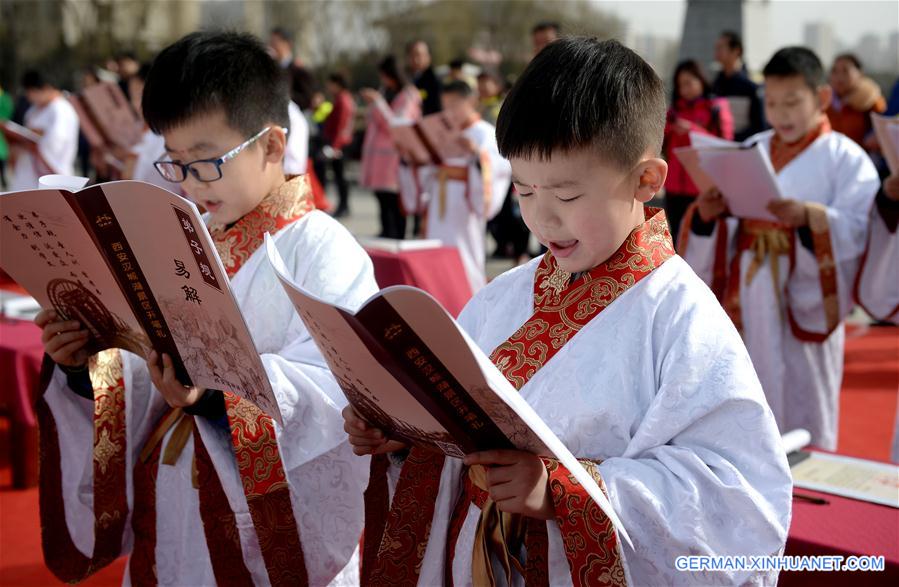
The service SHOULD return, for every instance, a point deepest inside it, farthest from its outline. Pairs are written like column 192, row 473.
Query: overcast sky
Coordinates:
column 783, row 19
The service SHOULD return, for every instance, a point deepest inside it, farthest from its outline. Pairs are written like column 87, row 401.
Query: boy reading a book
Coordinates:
column 787, row 285
column 623, row 352
column 877, row 286
column 466, row 192
column 198, row 485
column 55, row 120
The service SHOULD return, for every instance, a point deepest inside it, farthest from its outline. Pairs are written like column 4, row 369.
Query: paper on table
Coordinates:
column 796, row 440
column 849, row 477
column 392, row 245
column 745, row 177
column 887, row 131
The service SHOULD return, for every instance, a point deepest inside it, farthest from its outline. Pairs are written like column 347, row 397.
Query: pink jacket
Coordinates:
column 709, row 116
column 380, row 160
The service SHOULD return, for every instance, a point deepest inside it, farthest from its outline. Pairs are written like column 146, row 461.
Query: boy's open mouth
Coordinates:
column 562, row 248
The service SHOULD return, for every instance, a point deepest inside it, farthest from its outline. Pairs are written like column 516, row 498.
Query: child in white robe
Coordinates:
column 877, row 286
column 788, row 285
column 465, row 192
column 619, row 348
column 55, row 120
column 198, row 486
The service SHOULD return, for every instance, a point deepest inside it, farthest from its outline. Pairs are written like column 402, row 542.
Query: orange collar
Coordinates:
column 782, row 153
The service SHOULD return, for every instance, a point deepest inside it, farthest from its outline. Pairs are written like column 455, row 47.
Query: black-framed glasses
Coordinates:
column 205, row 170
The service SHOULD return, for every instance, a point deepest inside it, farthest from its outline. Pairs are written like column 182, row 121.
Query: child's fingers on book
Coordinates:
column 44, row 317
column 57, row 328
column 501, row 474
column 65, row 354
column 57, row 342
column 366, row 440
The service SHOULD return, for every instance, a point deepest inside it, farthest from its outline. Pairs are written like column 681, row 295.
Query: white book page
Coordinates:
column 887, row 132
column 745, row 178
column 700, row 139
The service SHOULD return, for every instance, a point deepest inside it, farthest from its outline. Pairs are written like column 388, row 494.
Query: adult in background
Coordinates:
column 280, row 45
column 855, row 97
column 733, row 83
column 421, row 70
column 397, row 99
column 543, row 34
column 338, row 134
column 693, row 109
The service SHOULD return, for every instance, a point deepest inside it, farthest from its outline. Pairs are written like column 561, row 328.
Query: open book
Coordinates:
column 742, row 172
column 887, row 131
column 430, row 141
column 24, row 137
column 407, row 368
column 16, row 133
column 136, row 266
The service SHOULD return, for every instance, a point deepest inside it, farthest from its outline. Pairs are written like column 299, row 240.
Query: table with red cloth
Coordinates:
column 21, row 353
column 438, row 271
column 844, row 527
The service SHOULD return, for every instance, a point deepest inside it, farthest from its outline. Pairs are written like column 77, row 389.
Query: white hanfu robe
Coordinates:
column 659, row 389
column 801, row 375
column 461, row 221
column 877, row 287
column 58, row 146
column 326, row 480
column 296, row 157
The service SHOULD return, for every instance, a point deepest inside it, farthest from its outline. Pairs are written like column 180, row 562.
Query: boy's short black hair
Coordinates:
column 733, row 40
column 339, row 79
column 459, row 88
column 207, row 71
column 801, row 61
column 34, row 80
column 579, row 93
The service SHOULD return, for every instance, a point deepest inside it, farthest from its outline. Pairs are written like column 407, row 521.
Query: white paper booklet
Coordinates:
column 409, row 369
column 742, row 172
column 887, row 131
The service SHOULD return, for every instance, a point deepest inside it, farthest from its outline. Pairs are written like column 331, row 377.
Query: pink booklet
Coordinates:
column 430, row 141
column 408, row 368
column 112, row 111
column 136, row 266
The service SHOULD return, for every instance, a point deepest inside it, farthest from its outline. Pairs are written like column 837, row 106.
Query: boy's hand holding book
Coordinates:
column 517, row 481
column 173, row 391
column 711, row 205
column 365, row 438
column 793, row 213
column 64, row 341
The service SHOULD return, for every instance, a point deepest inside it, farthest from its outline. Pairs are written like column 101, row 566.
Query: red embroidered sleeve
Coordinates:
column 591, row 543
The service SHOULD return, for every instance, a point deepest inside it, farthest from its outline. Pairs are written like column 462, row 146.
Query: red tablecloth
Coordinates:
column 437, row 271
column 20, row 364
column 846, row 527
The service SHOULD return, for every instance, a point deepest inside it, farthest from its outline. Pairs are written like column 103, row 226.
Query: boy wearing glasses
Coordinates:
column 216, row 492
